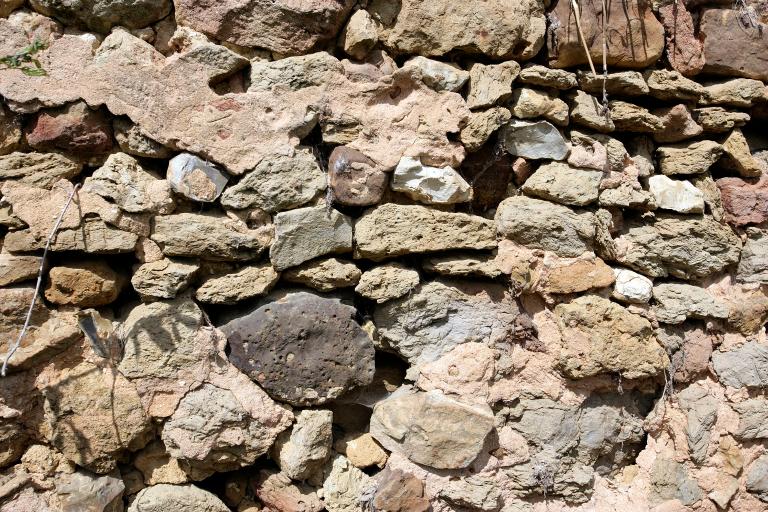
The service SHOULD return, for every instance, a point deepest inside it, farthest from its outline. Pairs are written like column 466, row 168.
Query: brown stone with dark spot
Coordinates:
column 745, row 202
column 398, row 491
column 302, row 348
column 732, row 49
column 354, row 178
column 75, row 128
column 639, row 39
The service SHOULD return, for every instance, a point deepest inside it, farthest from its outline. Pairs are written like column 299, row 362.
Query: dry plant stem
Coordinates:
column 577, row 12
column 605, row 55
column 51, row 237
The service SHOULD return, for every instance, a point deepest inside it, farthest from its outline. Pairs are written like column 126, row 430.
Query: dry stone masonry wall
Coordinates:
column 384, row 255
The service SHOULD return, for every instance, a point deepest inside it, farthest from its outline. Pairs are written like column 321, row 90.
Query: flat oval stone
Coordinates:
column 302, row 348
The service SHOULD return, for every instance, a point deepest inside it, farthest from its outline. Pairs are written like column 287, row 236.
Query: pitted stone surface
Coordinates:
column 302, row 348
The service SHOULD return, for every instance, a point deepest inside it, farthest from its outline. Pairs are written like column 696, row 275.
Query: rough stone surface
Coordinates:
column 633, row 118
column 163, row 279
column 491, row 84
column 302, row 348
column 533, row 139
column 753, row 265
column 641, row 45
column 74, row 128
column 206, row 236
column 430, row 185
column 510, row 30
column 441, row 314
column 745, row 202
column 278, row 183
column 757, row 478
column 387, row 282
column 431, row 429
column 672, row 86
column 620, row 83
column 38, row 169
column 632, row 287
column 536, row 74
column 753, row 418
column 359, row 35
column 132, row 141
column 561, row 183
column 738, row 92
column 676, row 124
column 676, row 195
column 15, row 269
column 394, row 230
column 589, row 323
column 729, row 48
column 355, row 179
column 247, row 283
column 278, row 492
column 692, row 158
column 195, row 178
column 586, row 110
column 744, row 366
column 482, row 125
column 679, row 247
column 303, row 450
column 684, row 50
column 181, row 498
column 102, row 15
column 325, row 275
column 719, row 120
column 84, row 284
column 438, row 75
column 278, row 26
column 524, row 219
column 306, row 233
column 675, row 302
column 532, row 103
column 345, row 486
column 737, row 156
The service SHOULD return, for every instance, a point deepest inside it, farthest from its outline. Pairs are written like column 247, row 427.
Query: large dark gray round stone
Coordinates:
column 302, row 348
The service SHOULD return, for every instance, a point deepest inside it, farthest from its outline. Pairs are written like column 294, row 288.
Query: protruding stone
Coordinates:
column 641, row 45
column 743, row 366
column 278, row 183
column 15, row 269
column 132, row 141
column 534, row 140
column 84, row 284
column 632, row 287
column 38, row 169
column 753, row 265
column 532, row 103
column 345, row 487
column 543, row 76
column 179, row 498
column 195, row 178
column 387, row 282
column 430, row 185
column 730, row 48
column 431, row 429
column 691, row 158
column 306, row 233
column 559, row 182
column 394, row 230
column 359, row 35
column 248, row 282
column 481, row 126
column 75, row 128
column 629, row 117
column 737, row 92
column 463, row 265
column 620, row 83
column 676, row 124
column 362, row 450
column 528, row 222
column 212, row 237
column 324, row 275
column 719, row 120
column 590, row 324
column 400, row 492
column 737, row 156
column 301, row 348
column 490, row 84
column 278, row 492
column 677, row 195
column 685, row 51
column 102, row 16
column 669, row 85
column 586, row 110
column 163, row 279
column 303, row 450
column 675, row 302
column 440, row 76
column 283, row 26
column 355, row 179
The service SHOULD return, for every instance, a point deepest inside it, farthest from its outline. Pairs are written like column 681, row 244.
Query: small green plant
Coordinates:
column 21, row 58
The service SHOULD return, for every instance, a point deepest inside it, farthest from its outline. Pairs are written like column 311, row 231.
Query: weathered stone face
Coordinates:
column 102, row 15
column 732, row 49
column 301, row 348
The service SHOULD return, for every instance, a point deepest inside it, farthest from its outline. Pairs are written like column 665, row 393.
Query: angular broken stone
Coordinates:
column 324, row 275
column 303, row 450
column 102, row 16
column 631, row 286
column 430, row 185
column 532, row 103
column 757, row 478
column 730, row 48
column 669, row 85
column 195, row 178
column 134, row 189
column 431, row 429
column 94, row 236
column 132, row 141
column 675, row 302
column 163, row 279
column 301, row 348
column 586, row 110
column 509, row 30
column 689, row 158
column 306, row 233
column 561, row 183
column 745, row 202
column 248, row 282
column 74, row 128
column 737, row 92
column 213, row 237
column 676, row 124
column 14, row 269
column 387, row 282
column 482, row 125
column 677, row 195
column 590, row 324
column 536, row 74
column 344, row 486
column 282, row 26
column 355, row 179
column 620, row 83
column 738, row 156
column 641, row 44
column 359, row 35
column 684, row 46
column 528, row 222
column 743, row 366
column 719, row 120
column 278, row 183
column 41, row 170
column 440, row 76
column 10, row 124
column 678, row 246
column 533, row 139
column 441, row 314
column 401, row 492
column 393, row 230
column 278, row 492
column 632, row 118
column 753, row 265
column 490, row 84
column 463, row 265
column 753, row 419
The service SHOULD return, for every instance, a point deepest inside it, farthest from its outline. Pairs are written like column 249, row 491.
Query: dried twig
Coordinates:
column 51, row 237
column 577, row 12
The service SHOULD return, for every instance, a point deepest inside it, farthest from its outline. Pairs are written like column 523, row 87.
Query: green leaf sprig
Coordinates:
column 25, row 56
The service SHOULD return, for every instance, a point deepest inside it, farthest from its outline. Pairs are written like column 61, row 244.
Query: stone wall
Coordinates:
column 390, row 256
